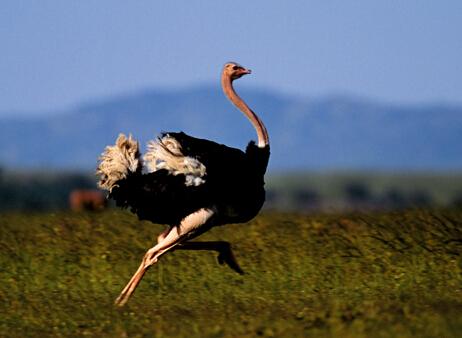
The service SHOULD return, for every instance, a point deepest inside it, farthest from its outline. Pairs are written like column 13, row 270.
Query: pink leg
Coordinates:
column 167, row 240
column 163, row 234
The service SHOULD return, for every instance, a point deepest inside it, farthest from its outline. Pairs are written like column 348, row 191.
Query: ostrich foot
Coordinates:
column 189, row 228
column 148, row 260
column 225, row 254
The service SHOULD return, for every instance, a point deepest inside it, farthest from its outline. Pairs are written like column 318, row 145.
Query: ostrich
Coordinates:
column 189, row 184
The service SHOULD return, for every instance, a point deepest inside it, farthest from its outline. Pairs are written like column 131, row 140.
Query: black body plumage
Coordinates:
column 233, row 187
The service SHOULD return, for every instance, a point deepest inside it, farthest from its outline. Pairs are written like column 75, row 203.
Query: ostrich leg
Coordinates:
column 225, row 254
column 189, row 228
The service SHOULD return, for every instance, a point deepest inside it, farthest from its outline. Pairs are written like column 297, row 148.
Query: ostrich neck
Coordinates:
column 228, row 89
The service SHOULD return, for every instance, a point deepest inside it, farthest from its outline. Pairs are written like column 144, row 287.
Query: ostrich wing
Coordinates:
column 211, row 154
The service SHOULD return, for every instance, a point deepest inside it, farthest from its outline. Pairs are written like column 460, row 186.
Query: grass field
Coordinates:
column 373, row 275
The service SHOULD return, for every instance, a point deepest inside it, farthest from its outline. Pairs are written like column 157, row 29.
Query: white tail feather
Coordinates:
column 117, row 161
column 165, row 153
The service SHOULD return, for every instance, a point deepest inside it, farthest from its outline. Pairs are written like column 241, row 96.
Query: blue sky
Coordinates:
column 55, row 54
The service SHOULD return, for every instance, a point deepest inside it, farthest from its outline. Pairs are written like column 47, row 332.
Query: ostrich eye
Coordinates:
column 235, row 68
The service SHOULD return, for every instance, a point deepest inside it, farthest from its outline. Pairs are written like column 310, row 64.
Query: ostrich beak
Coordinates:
column 244, row 71
column 240, row 72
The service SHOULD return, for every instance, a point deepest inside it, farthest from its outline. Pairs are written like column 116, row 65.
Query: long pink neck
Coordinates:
column 226, row 83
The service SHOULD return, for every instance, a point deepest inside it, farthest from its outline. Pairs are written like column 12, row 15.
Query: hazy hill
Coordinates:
column 329, row 132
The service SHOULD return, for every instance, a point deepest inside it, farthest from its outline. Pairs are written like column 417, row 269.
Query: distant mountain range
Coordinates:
column 336, row 132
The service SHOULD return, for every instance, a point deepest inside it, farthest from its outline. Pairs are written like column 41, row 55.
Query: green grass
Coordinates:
column 374, row 275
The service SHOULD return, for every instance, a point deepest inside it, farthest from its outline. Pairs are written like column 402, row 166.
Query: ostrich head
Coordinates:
column 234, row 70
